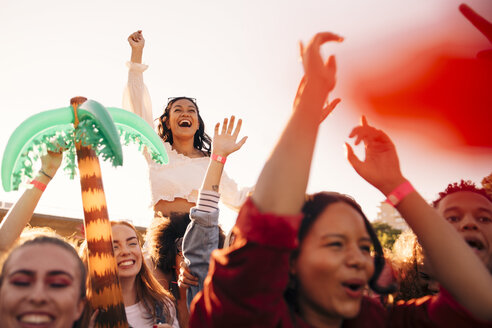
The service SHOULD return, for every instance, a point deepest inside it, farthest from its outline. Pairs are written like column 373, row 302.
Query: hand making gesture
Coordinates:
column 137, row 42
column 453, row 262
column 381, row 166
column 224, row 143
column 314, row 67
column 319, row 77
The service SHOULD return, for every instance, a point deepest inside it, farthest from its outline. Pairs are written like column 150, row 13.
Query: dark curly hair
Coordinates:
column 201, row 140
column 315, row 205
column 162, row 236
column 461, row 186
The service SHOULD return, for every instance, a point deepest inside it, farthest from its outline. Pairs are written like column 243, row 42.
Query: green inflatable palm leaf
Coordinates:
column 109, row 146
column 98, row 127
column 134, row 129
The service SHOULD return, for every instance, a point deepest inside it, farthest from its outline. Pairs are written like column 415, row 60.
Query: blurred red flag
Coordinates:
column 450, row 93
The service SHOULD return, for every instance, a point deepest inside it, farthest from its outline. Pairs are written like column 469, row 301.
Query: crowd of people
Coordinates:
column 291, row 260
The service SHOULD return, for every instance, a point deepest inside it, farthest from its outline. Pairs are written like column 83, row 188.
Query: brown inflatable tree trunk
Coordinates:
column 106, row 292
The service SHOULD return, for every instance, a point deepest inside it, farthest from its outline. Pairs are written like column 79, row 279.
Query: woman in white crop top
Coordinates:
column 174, row 187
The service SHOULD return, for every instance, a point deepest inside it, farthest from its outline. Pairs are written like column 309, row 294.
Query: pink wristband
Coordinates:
column 219, row 158
column 399, row 193
column 41, row 186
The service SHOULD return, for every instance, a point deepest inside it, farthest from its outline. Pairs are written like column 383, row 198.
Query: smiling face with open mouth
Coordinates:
column 127, row 251
column 471, row 214
column 334, row 264
column 40, row 289
column 183, row 118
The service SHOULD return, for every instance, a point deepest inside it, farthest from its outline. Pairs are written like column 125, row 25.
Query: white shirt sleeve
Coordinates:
column 136, row 97
column 231, row 195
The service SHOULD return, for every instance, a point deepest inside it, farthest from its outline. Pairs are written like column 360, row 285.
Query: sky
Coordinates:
column 237, row 58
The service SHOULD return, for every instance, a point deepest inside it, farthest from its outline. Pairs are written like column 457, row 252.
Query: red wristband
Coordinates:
column 399, row 193
column 41, row 186
column 219, row 158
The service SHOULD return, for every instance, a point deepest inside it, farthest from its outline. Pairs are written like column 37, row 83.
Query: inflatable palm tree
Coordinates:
column 89, row 130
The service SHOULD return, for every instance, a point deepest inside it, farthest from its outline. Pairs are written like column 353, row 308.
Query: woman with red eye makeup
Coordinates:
column 42, row 284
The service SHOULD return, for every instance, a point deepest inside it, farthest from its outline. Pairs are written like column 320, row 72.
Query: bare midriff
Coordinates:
column 179, row 205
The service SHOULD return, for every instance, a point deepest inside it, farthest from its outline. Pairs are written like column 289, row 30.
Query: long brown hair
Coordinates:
column 149, row 290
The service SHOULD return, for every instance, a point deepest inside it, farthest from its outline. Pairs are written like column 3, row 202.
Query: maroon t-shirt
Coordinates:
column 246, row 283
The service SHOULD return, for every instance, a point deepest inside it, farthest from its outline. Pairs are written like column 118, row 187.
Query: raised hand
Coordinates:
column 136, row 40
column 224, row 143
column 51, row 162
column 319, row 77
column 313, row 63
column 482, row 25
column 287, row 170
column 327, row 109
column 381, row 166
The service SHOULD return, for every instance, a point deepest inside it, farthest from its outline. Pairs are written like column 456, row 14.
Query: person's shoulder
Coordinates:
column 445, row 311
column 372, row 314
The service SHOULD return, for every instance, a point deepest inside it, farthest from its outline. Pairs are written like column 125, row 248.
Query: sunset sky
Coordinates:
column 235, row 57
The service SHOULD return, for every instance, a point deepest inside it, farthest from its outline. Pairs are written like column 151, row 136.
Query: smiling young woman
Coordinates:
column 334, row 255
column 174, row 187
column 146, row 302
column 42, row 284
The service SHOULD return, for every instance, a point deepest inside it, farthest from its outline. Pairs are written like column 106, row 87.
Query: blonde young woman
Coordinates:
column 147, row 303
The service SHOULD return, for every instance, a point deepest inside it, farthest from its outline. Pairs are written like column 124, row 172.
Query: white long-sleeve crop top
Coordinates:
column 182, row 177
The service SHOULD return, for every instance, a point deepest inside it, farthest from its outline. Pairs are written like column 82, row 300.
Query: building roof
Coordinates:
column 64, row 226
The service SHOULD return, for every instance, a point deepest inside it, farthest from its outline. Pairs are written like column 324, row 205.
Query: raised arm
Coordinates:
column 246, row 281
column 137, row 43
column 202, row 234
column 136, row 97
column 20, row 214
column 282, row 183
column 455, row 265
column 482, row 25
